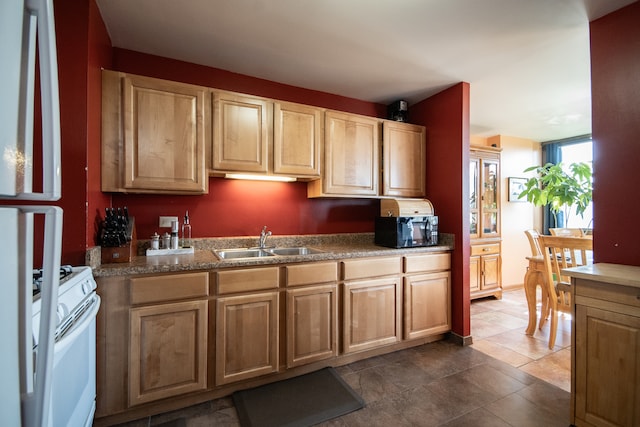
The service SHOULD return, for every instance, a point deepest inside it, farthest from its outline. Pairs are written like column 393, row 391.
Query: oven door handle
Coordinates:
column 79, row 327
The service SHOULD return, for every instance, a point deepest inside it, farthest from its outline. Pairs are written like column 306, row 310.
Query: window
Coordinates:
column 567, row 151
column 574, row 153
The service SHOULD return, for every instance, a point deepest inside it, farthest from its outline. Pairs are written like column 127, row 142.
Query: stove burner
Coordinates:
column 65, row 270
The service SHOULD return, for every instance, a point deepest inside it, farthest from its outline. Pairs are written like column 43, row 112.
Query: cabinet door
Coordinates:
column 246, row 336
column 297, row 139
column 490, row 198
column 427, row 304
column 351, row 157
column 474, row 273
column 241, row 133
column 164, row 135
column 474, row 197
column 404, row 160
column 311, row 324
column 168, row 350
column 371, row 313
column 607, row 367
column 490, row 269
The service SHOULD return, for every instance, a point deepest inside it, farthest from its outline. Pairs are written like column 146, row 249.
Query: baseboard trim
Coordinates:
column 459, row 339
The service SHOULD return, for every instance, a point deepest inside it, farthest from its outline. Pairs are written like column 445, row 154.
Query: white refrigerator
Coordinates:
column 25, row 384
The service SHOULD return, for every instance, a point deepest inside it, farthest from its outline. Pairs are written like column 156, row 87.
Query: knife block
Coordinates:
column 122, row 253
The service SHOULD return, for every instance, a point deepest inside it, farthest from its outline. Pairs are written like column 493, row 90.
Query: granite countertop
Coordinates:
column 618, row 274
column 334, row 247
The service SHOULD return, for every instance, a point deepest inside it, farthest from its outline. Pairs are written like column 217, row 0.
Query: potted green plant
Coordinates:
column 560, row 189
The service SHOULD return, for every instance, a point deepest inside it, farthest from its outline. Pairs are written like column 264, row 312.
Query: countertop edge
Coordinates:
column 206, row 260
column 618, row 274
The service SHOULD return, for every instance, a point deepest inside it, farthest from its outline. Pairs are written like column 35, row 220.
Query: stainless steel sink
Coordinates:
column 241, row 253
column 301, row 250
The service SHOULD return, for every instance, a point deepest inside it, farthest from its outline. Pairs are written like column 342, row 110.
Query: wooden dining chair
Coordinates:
column 559, row 253
column 567, row 232
column 533, row 235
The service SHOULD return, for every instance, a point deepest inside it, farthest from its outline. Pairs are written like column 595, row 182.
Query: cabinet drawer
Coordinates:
column 626, row 295
column 492, row 248
column 370, row 267
column 305, row 274
column 169, row 287
column 427, row 262
column 251, row 279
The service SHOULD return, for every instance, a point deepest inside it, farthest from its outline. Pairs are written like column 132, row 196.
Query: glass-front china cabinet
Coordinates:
column 485, row 277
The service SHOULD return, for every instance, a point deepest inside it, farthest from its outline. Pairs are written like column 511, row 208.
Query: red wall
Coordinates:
column 446, row 117
column 99, row 56
column 615, row 92
column 241, row 208
column 71, row 31
column 170, row 69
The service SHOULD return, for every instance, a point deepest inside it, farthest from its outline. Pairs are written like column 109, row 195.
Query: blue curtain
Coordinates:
column 551, row 153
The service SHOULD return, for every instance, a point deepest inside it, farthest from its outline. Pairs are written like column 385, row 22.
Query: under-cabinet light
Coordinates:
column 260, row 177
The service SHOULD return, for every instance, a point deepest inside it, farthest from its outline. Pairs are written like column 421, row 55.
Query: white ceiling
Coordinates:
column 527, row 61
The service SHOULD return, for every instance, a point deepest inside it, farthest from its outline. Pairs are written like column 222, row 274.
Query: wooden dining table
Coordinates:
column 535, row 276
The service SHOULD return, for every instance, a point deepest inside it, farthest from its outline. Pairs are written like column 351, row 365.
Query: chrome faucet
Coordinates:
column 263, row 237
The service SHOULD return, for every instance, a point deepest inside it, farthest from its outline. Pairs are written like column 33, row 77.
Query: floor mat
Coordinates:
column 301, row 401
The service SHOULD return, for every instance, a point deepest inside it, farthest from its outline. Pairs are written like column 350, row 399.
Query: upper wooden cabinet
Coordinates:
column 166, row 137
column 354, row 154
column 153, row 135
column 256, row 135
column 403, row 159
column 297, row 139
column 242, row 133
column 351, row 157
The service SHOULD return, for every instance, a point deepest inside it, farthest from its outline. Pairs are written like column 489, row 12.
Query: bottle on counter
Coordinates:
column 186, row 231
column 174, row 235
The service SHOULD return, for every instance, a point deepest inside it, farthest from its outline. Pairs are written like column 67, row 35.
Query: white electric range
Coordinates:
column 73, row 390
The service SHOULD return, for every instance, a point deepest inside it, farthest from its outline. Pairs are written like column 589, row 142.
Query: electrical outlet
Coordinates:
column 165, row 221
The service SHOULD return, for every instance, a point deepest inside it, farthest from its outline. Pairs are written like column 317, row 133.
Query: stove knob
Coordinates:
column 62, row 312
column 86, row 288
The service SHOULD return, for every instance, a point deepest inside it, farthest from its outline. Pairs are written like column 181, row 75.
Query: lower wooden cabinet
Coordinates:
column 485, row 276
column 371, row 313
column 246, row 336
column 311, row 324
column 606, row 350
column 427, row 304
column 168, row 350
column 247, row 325
column 427, row 295
column 311, row 312
column 608, row 387
column 170, row 340
column 371, row 306
column 167, row 336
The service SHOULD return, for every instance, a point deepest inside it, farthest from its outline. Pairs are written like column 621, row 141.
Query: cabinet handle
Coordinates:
column 485, row 249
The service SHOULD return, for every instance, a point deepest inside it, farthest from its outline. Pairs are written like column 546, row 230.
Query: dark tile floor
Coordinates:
column 438, row 384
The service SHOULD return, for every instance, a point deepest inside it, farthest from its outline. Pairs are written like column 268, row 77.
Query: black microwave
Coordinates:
column 406, row 231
